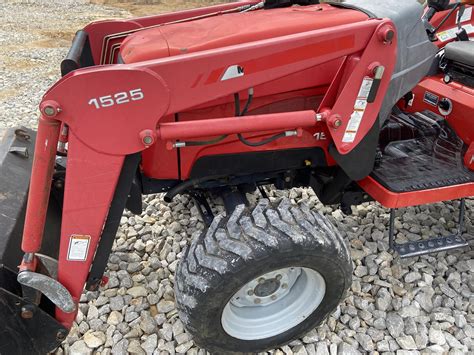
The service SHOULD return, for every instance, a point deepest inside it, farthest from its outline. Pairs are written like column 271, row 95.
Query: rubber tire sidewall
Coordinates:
column 207, row 317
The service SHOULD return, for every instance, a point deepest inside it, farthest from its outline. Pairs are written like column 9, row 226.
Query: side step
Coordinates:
column 429, row 246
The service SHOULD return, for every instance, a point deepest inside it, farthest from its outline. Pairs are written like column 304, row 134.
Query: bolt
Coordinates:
column 257, row 301
column 284, row 286
column 250, row 292
column 148, row 137
column 335, row 121
column 49, row 111
column 61, row 335
column 26, row 312
column 147, row 140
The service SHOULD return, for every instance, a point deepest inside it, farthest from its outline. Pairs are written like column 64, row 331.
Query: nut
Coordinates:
column 26, row 312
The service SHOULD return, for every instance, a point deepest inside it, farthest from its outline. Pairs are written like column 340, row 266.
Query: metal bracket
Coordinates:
column 21, row 151
column 433, row 245
column 49, row 287
column 203, row 207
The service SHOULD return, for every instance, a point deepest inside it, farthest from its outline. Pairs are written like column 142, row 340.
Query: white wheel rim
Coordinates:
column 273, row 303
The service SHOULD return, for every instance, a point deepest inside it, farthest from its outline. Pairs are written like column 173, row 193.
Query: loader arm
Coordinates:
column 114, row 112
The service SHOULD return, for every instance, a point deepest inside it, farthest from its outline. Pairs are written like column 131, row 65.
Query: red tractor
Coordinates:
column 360, row 100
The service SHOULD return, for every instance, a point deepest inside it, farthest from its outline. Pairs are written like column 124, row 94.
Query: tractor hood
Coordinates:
column 231, row 29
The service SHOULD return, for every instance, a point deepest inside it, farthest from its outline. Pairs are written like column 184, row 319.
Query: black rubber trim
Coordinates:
column 79, row 55
column 360, row 162
column 112, row 223
column 351, row 7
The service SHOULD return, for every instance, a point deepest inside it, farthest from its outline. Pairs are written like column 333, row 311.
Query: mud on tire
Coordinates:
column 240, row 248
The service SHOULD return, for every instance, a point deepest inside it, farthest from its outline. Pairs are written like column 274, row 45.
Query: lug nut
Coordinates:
column 250, row 292
column 278, row 277
column 274, row 297
column 261, row 280
column 284, row 286
column 257, row 301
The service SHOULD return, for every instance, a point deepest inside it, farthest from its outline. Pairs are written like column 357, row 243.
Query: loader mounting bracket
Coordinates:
column 27, row 329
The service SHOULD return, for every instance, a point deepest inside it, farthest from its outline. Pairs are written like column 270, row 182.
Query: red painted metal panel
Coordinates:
column 107, row 107
column 232, row 29
column 101, row 32
column 91, row 178
column 462, row 116
column 391, row 199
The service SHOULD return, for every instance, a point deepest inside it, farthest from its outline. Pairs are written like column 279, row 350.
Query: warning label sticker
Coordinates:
column 365, row 88
column 467, row 15
column 451, row 33
column 359, row 110
column 78, row 247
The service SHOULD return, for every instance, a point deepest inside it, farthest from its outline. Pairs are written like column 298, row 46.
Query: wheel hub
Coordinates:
column 266, row 289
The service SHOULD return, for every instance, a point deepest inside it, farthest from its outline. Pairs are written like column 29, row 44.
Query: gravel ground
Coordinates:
column 422, row 305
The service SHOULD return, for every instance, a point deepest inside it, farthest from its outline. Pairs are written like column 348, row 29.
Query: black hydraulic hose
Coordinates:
column 183, row 186
column 211, row 141
column 238, row 113
column 443, row 21
column 247, row 105
column 237, row 104
column 263, row 142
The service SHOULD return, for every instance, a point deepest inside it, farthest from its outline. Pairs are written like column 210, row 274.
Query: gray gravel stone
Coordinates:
column 94, row 339
column 395, row 324
column 406, row 342
column 150, row 344
column 436, row 335
column 165, row 306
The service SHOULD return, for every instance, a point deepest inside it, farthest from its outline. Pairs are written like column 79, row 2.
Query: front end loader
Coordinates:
column 359, row 100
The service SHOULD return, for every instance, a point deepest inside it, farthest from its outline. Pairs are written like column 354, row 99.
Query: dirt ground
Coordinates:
column 149, row 7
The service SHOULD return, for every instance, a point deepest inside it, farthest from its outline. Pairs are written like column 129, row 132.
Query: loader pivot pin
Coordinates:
column 386, row 35
column 148, row 137
column 50, row 108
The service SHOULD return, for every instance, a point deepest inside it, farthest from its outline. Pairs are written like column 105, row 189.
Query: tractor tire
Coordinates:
column 260, row 278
